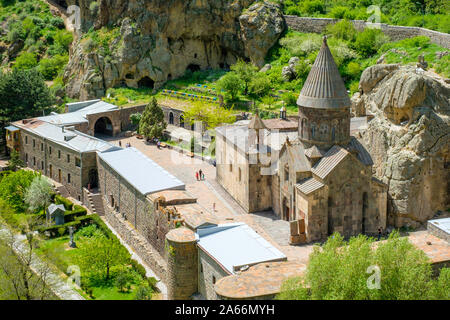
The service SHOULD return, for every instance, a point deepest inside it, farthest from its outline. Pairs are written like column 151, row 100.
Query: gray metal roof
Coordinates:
column 71, row 139
column 53, row 208
column 443, row 224
column 330, row 160
column 12, row 128
column 324, row 87
column 80, row 115
column 236, row 245
column 309, row 186
column 140, row 171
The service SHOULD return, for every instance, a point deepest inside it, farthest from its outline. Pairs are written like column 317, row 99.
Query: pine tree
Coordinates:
column 152, row 124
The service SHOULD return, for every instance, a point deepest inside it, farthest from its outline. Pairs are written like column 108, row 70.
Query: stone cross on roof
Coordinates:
column 324, row 87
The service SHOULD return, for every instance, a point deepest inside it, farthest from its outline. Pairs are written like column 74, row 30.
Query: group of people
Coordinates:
column 199, row 175
column 127, row 145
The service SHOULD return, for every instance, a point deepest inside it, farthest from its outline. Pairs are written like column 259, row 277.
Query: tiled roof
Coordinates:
column 363, row 154
column 314, row 152
column 324, row 87
column 309, row 186
column 281, row 124
column 256, row 123
column 329, row 161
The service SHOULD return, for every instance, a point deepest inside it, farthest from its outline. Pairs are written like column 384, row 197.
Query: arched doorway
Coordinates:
column 181, row 121
column 365, row 206
column 146, row 82
column 171, row 118
column 103, row 126
column 285, row 210
column 93, row 178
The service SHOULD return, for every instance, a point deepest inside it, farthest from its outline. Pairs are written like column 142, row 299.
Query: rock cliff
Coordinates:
column 408, row 138
column 145, row 43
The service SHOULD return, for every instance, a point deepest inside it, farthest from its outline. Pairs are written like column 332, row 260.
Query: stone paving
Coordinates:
column 209, row 192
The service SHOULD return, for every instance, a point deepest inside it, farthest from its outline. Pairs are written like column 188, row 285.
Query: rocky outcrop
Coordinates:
column 155, row 41
column 408, row 138
column 289, row 72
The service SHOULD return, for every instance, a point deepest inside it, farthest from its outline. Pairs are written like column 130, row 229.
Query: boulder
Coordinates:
column 161, row 40
column 408, row 139
column 266, row 68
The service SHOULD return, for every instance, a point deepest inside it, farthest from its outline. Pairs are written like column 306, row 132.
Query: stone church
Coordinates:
column 316, row 175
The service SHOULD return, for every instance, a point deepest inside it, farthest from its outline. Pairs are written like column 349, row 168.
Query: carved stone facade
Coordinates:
column 321, row 180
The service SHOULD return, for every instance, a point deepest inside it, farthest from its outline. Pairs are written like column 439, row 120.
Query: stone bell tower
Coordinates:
column 324, row 104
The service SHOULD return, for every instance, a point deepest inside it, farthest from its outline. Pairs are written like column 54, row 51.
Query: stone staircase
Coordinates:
column 96, row 203
column 62, row 191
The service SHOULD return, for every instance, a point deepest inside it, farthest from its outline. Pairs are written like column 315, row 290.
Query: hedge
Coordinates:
column 68, row 205
column 78, row 211
column 54, row 230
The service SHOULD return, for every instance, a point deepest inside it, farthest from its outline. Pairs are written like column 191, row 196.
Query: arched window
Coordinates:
column 304, row 129
column 182, row 121
column 313, row 130
column 170, row 118
column 333, row 134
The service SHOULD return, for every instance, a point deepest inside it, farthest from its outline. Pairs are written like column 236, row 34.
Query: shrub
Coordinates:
column 25, row 61
column 68, row 205
column 78, row 211
column 343, row 29
column 51, row 67
column 368, row 41
column 14, row 186
column 139, row 268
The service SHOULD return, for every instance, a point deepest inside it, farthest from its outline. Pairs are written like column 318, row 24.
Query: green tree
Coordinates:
column 152, row 124
column 122, row 281
column 63, row 39
column 25, row 61
column 260, row 85
column 369, row 41
column 97, row 255
column 343, row 29
column 245, row 71
column 23, row 94
column 143, row 292
column 14, row 186
column 232, row 84
column 135, row 119
column 210, row 116
column 338, row 270
column 38, row 195
column 15, row 162
column 51, row 67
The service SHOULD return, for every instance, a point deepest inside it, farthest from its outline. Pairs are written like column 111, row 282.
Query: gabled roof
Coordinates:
column 314, row 152
column 236, row 245
column 309, row 185
column 330, row 160
column 362, row 154
column 297, row 158
column 324, row 87
column 256, row 123
column 140, row 171
column 54, row 208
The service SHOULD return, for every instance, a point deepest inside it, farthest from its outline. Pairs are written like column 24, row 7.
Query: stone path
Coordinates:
column 160, row 285
column 59, row 286
column 207, row 192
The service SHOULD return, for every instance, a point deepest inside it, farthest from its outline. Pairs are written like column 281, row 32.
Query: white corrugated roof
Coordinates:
column 443, row 224
column 140, row 171
column 79, row 116
column 75, row 140
column 236, row 245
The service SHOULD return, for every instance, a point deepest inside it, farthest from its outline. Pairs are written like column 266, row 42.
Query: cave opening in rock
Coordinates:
column 193, row 67
column 62, row 3
column 169, row 77
column 129, row 76
column 146, row 82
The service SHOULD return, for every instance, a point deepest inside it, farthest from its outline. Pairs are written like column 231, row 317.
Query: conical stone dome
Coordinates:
column 324, row 87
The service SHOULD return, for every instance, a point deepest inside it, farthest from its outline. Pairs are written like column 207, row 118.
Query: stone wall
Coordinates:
column 437, row 232
column 209, row 272
column 138, row 243
column 318, row 25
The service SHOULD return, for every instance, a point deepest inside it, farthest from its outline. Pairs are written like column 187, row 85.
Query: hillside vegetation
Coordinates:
column 431, row 14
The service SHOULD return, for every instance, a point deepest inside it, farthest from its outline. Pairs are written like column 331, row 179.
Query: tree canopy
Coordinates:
column 210, row 115
column 39, row 194
column 340, row 270
column 152, row 123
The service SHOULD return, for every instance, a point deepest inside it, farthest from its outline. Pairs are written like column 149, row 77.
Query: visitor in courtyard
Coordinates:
column 379, row 233
column 120, row 144
column 196, row 175
column 201, row 174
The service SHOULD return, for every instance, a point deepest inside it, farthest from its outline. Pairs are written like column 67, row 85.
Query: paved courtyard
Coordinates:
column 208, row 192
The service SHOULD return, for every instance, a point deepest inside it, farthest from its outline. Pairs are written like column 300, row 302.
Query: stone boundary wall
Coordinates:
column 318, row 25
column 138, row 243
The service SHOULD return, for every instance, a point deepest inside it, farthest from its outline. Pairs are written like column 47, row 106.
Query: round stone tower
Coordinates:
column 324, row 104
column 181, row 250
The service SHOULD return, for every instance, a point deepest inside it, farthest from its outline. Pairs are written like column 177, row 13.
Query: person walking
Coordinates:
column 379, row 233
column 120, row 144
column 214, row 207
column 200, row 172
column 196, row 175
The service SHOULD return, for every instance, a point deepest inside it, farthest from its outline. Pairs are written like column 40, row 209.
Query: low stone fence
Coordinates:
column 395, row 33
column 138, row 243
